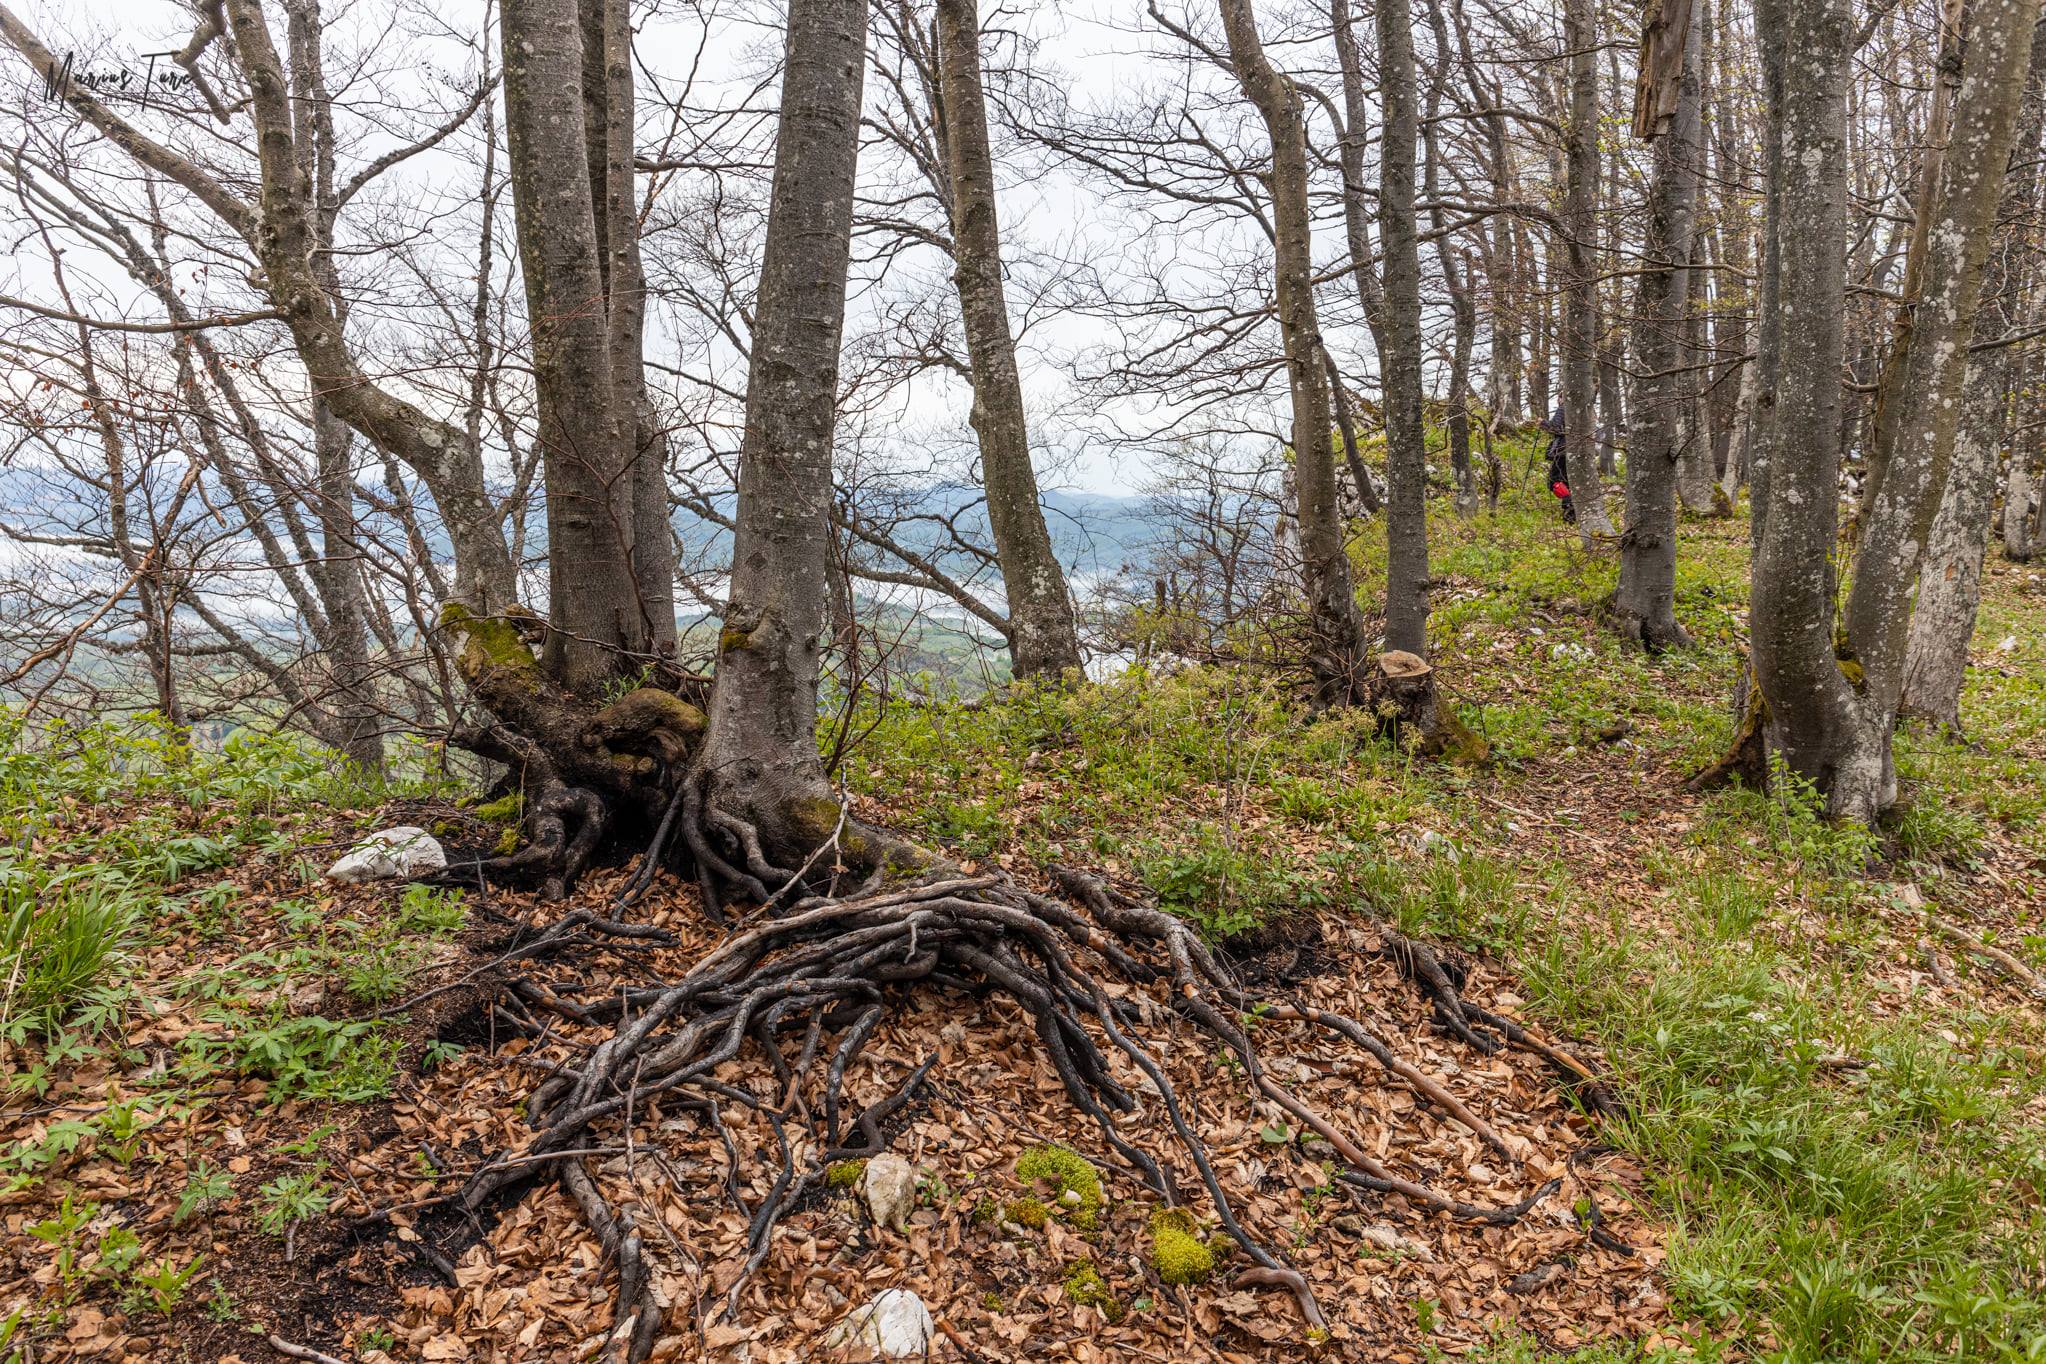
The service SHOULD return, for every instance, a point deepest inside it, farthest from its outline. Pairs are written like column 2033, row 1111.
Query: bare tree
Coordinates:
column 1338, row 647
column 1043, row 638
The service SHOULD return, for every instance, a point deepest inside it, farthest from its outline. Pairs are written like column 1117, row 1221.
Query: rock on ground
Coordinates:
column 895, row 1325
column 890, row 1187
column 393, row 854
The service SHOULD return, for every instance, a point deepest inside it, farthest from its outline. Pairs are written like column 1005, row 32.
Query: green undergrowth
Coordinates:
column 1848, row 1168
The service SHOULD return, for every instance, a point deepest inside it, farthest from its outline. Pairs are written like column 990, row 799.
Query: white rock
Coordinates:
column 895, row 1325
column 394, row 854
column 890, row 1187
column 2009, row 643
column 1392, row 1243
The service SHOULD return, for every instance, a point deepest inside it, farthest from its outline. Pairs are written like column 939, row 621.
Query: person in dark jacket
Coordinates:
column 1559, row 463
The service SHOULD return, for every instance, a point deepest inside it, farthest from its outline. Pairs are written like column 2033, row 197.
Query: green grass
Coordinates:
column 1847, row 1172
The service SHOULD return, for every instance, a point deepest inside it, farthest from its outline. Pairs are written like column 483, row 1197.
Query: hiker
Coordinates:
column 1559, row 463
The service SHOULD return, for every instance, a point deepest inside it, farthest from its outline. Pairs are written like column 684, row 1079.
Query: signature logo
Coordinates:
column 60, row 79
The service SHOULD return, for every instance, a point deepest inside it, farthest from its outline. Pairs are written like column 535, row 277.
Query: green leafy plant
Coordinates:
column 290, row 1199
column 162, row 1287
column 205, row 1189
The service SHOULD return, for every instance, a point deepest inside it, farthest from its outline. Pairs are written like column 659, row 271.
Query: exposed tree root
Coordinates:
column 2004, row 961
column 832, row 967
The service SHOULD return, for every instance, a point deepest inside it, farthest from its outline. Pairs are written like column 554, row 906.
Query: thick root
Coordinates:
column 1090, row 971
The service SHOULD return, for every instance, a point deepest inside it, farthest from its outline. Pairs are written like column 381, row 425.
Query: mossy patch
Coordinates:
column 508, row 841
column 1076, row 1183
column 488, row 642
column 845, row 1174
column 503, row 810
column 1177, row 1251
column 1086, row 1287
column 1027, row 1212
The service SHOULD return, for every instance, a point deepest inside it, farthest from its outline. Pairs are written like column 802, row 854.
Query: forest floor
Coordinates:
column 234, row 1090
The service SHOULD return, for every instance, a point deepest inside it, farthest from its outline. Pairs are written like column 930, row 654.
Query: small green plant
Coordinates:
column 1085, row 1286
column 161, row 1288
column 438, row 1054
column 290, row 1199
column 205, row 1189
column 376, row 1338
column 434, row 911
column 311, row 1058
column 220, row 1303
column 62, row 946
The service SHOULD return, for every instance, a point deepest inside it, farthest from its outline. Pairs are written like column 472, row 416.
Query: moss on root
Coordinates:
column 1177, row 1251
column 845, row 1174
column 504, row 810
column 1076, row 1183
column 487, row 642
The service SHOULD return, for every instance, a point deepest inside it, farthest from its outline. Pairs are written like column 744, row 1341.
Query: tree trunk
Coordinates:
column 1998, row 53
column 1338, row 662
column 2019, row 541
column 1580, row 300
column 758, row 770
column 1043, row 638
column 563, row 69
column 1813, row 716
column 1406, row 457
column 1694, row 438
column 284, row 232
column 1645, row 604
column 1950, row 583
column 1456, row 417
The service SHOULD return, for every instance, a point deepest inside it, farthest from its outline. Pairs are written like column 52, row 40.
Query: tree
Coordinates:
column 1043, row 638
column 570, row 133
column 1804, row 706
column 1645, row 603
column 1337, row 660
column 1406, row 457
column 1907, row 485
column 1579, row 344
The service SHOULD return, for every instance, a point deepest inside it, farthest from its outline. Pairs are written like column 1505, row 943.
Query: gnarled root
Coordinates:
column 834, row 965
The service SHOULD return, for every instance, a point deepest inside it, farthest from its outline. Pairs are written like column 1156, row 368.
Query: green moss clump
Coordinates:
column 1027, row 1212
column 991, row 1301
column 732, row 637
column 846, row 1174
column 1085, row 1286
column 489, row 641
column 503, row 810
column 1067, row 1172
column 1177, row 1251
column 508, row 841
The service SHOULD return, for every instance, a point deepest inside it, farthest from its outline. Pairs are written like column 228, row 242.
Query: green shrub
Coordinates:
column 61, row 944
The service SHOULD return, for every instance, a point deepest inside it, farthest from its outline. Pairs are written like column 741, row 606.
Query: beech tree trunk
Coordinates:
column 1645, row 604
column 568, row 130
column 1998, row 53
column 1813, row 716
column 1338, row 662
column 1579, row 343
column 758, row 764
column 2020, row 531
column 1043, row 637
column 283, row 230
column 1950, row 583
column 1456, row 418
column 1406, row 456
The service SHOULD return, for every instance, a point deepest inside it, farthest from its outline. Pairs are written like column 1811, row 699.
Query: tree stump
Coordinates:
column 1402, row 694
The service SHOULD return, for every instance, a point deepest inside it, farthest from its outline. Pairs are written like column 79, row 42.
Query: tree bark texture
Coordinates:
column 1579, row 344
column 1814, row 717
column 1043, row 637
column 1998, row 53
column 1406, row 456
column 1950, row 581
column 1338, row 660
column 1645, row 603
column 570, row 145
